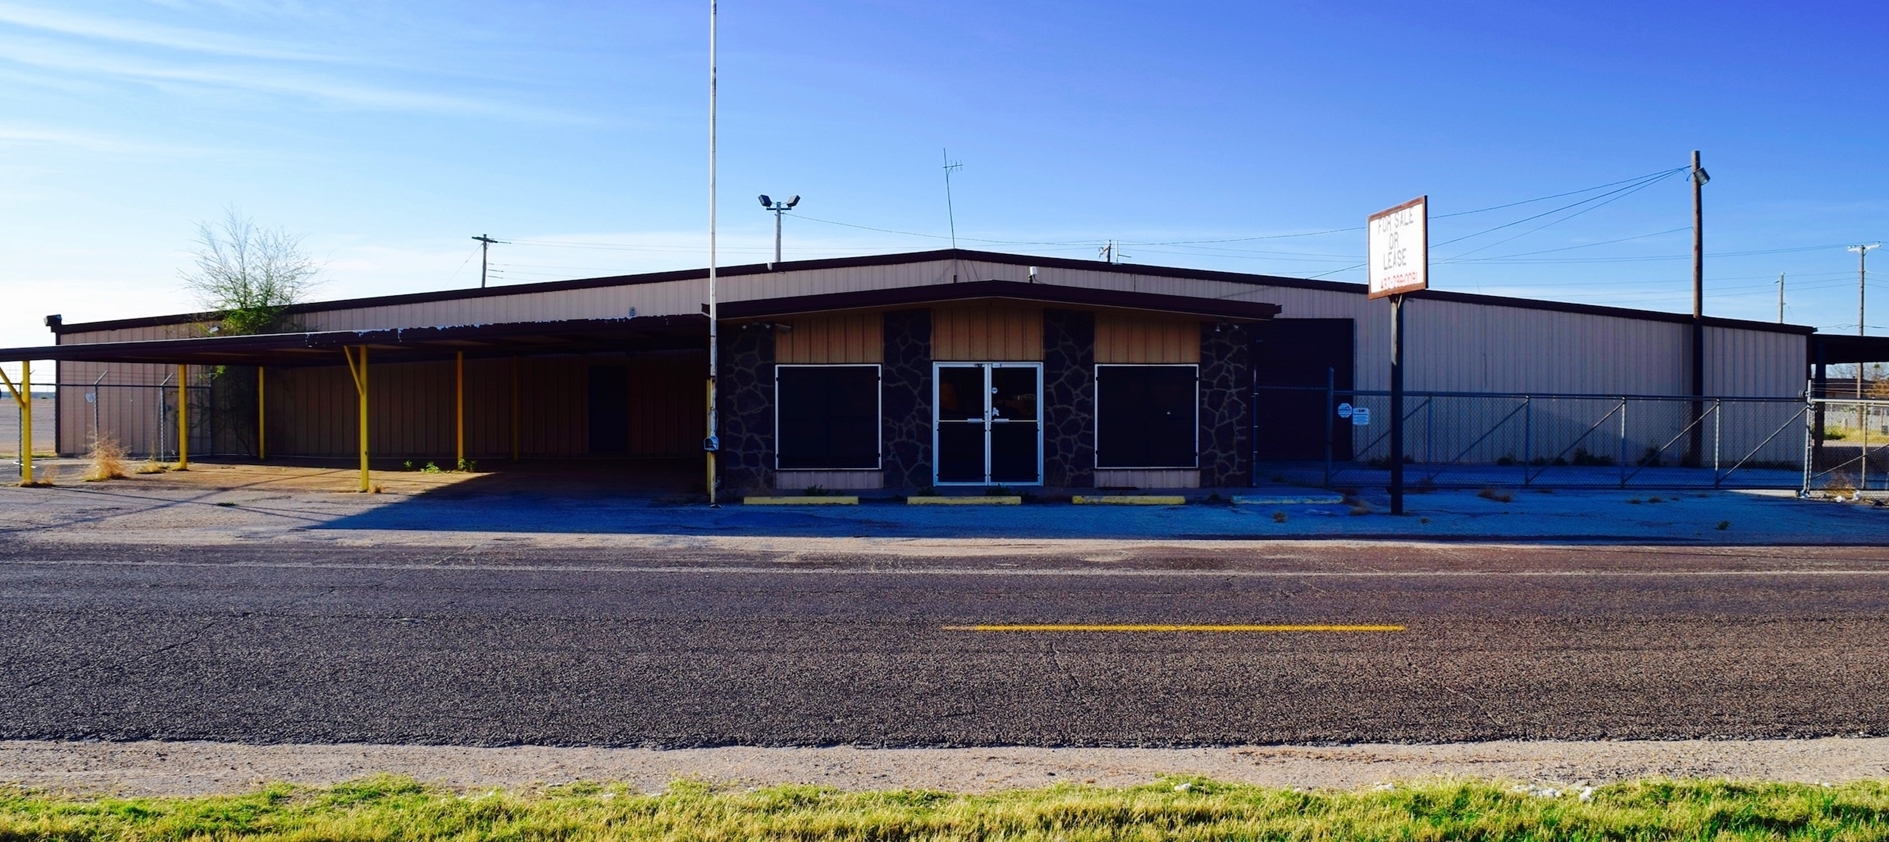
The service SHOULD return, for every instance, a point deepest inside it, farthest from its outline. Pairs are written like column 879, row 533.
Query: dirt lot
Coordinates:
column 158, row 768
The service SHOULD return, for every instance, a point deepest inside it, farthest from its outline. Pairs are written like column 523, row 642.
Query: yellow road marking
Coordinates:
column 1170, row 627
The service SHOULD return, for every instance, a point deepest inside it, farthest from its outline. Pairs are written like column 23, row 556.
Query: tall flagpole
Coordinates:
column 710, row 444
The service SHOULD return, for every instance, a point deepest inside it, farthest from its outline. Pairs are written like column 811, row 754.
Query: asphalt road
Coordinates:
column 284, row 642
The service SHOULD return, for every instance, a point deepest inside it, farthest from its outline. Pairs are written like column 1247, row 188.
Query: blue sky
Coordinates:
column 390, row 133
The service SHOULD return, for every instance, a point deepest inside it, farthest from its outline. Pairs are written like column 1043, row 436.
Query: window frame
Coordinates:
column 1097, row 427
column 878, row 379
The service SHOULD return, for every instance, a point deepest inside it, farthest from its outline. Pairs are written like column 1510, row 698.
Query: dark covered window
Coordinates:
column 1146, row 416
column 826, row 417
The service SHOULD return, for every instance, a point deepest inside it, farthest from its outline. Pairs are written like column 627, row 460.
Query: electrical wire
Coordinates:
column 1617, row 194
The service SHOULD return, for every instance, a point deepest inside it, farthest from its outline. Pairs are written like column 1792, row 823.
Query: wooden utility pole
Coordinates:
column 1862, row 274
column 485, row 249
column 1699, row 178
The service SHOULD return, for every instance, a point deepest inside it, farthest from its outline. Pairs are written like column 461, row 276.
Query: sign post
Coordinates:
column 1399, row 249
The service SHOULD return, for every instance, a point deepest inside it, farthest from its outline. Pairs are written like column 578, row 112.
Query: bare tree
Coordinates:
column 249, row 275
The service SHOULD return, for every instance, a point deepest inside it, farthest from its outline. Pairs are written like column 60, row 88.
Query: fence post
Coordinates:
column 1718, row 427
column 1810, row 438
column 1528, row 437
column 1622, row 446
column 1429, row 430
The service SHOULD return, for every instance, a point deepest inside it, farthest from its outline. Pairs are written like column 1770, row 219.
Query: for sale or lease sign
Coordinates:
column 1399, row 246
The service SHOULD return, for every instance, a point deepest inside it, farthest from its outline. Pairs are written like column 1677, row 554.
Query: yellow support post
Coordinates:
column 183, row 419
column 262, row 415
column 459, row 410
column 515, row 413
column 359, row 371
column 23, row 396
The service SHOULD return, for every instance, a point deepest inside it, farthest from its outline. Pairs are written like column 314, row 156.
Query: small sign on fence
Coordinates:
column 1361, row 416
column 1344, row 410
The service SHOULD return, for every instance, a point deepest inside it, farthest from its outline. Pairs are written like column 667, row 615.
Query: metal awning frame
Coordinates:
column 410, row 344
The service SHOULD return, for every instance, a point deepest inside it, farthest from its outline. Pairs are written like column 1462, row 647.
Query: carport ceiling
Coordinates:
column 413, row 344
column 1836, row 349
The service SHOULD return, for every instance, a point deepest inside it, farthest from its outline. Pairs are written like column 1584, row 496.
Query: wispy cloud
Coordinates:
column 68, row 60
column 29, row 136
column 153, row 34
column 75, row 46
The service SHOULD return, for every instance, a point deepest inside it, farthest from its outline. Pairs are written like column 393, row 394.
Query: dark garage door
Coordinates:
column 1300, row 353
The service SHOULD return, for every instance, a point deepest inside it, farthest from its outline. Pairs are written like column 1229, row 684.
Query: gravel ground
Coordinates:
column 197, row 768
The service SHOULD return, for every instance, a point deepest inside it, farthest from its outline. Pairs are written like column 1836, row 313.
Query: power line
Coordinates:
column 1617, row 194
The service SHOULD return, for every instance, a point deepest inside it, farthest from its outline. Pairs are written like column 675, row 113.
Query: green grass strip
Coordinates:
column 389, row 808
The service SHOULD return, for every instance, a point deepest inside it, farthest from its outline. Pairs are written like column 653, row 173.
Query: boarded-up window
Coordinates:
column 826, row 417
column 1146, row 416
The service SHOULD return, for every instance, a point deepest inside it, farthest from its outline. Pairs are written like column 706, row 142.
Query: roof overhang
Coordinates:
column 1835, row 349
column 413, row 344
column 1068, row 296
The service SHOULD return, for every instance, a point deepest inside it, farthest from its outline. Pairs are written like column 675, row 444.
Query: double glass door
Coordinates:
column 988, row 423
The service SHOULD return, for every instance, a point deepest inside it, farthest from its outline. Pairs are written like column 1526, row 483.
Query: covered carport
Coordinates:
column 503, row 353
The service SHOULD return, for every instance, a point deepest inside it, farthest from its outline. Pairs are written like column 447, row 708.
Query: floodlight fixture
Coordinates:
column 778, row 208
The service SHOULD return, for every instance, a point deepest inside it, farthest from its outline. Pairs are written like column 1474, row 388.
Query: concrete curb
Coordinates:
column 1129, row 500
column 964, row 501
column 800, row 501
column 1288, row 499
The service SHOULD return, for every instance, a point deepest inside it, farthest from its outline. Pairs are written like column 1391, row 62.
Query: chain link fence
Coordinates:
column 1472, row 439
column 140, row 418
column 1848, row 446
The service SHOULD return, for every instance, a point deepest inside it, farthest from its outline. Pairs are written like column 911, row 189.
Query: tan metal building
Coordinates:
column 899, row 371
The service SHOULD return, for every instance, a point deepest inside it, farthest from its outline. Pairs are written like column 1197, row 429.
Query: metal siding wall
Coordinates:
column 668, row 405
column 489, row 408
column 1750, row 363
column 1451, row 346
column 410, row 409
column 995, row 332
column 312, row 411
column 838, row 338
column 556, row 397
column 1127, row 337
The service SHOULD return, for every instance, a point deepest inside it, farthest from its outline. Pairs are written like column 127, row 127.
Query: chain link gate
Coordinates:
column 1477, row 439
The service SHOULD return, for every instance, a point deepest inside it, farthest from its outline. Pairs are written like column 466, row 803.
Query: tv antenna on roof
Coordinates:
column 951, row 214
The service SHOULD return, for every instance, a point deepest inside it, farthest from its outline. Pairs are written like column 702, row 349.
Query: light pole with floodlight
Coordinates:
column 778, row 208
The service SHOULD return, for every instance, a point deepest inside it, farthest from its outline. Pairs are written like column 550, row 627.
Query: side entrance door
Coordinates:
column 987, row 423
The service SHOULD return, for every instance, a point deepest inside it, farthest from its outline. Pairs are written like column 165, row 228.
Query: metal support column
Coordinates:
column 515, row 413
column 23, row 396
column 459, row 410
column 183, row 419
column 262, row 414
column 1397, row 405
column 358, row 368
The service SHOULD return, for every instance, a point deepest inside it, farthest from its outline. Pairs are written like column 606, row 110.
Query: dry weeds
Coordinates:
column 107, row 460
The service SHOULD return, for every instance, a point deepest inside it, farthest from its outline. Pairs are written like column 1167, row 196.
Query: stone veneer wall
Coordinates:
column 1225, row 423
column 745, row 399
column 1068, row 399
column 905, row 384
